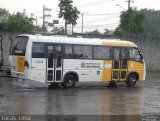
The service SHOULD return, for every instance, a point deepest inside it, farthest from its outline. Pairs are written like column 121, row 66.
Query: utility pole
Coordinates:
column 36, row 20
column 82, row 23
column 1, row 52
column 32, row 17
column 45, row 15
column 129, row 3
column 43, row 18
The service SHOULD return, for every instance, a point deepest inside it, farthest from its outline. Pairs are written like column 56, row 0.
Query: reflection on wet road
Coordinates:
column 34, row 98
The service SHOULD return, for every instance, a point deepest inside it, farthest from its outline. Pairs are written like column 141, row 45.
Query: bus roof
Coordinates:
column 83, row 41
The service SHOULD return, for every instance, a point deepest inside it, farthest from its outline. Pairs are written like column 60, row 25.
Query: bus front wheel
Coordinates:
column 69, row 81
column 131, row 80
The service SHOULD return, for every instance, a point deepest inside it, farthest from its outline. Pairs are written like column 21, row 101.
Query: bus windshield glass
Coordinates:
column 135, row 54
column 20, row 47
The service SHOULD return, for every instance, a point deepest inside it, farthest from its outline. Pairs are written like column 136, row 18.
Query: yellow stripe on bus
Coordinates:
column 119, row 43
column 107, row 70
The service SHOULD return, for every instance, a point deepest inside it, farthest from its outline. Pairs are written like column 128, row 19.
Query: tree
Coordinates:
column 4, row 15
column 94, row 33
column 107, row 32
column 65, row 10
column 117, row 32
column 74, row 17
column 19, row 22
column 132, row 21
column 152, row 23
column 68, row 12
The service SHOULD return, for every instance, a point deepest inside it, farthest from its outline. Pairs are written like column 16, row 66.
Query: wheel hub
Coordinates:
column 132, row 79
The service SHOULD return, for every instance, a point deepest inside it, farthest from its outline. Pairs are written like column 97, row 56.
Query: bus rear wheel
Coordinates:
column 131, row 80
column 69, row 81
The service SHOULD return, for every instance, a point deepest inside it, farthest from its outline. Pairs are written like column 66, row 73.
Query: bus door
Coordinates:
column 54, row 63
column 120, row 62
column 58, row 63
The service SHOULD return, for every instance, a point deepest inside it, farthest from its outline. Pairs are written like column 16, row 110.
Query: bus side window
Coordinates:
column 102, row 52
column 68, row 52
column 106, row 53
column 97, row 53
column 124, row 53
column 116, row 54
column 38, row 50
column 78, row 51
column 58, row 49
column 87, row 52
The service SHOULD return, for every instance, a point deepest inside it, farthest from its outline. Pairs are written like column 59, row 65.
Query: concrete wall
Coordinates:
column 150, row 50
column 6, row 42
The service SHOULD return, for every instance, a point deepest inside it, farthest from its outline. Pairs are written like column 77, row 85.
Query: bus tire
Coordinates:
column 69, row 81
column 131, row 80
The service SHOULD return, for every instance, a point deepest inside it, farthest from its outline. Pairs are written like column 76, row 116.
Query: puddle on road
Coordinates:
column 30, row 97
column 81, row 100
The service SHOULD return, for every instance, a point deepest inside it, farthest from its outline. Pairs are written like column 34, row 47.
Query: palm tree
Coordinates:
column 68, row 12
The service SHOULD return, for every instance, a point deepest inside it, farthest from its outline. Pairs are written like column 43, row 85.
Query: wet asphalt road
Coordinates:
column 19, row 96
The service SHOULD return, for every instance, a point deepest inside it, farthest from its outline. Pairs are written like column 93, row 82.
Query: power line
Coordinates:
column 95, row 3
column 38, row 11
column 101, row 20
column 87, row 27
column 55, row 9
column 104, row 14
column 94, row 20
column 101, row 25
column 107, row 25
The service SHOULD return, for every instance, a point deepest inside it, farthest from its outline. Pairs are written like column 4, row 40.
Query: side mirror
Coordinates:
column 139, row 50
column 141, row 58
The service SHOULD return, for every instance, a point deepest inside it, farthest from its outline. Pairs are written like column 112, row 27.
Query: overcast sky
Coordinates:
column 98, row 14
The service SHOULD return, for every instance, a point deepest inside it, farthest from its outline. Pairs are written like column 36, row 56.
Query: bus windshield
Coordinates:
column 135, row 54
column 20, row 46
